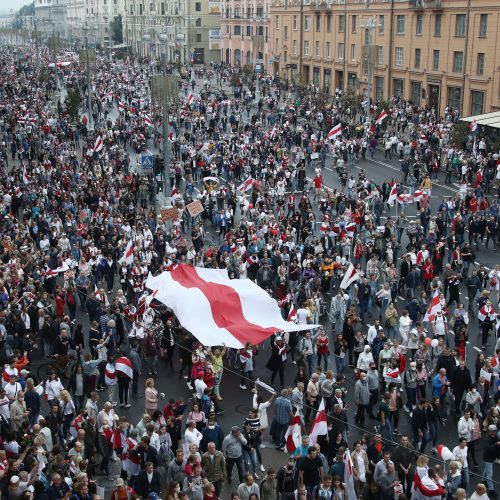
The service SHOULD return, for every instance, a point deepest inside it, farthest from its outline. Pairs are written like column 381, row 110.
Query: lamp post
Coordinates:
column 86, row 29
column 370, row 25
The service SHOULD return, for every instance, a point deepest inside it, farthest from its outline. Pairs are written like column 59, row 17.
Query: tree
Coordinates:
column 117, row 29
column 72, row 103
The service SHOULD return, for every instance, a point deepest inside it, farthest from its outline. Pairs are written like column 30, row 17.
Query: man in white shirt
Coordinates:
column 460, row 454
column 4, row 405
column 12, row 388
column 199, row 385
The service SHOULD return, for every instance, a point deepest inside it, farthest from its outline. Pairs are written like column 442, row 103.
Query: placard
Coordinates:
column 167, row 214
column 195, row 208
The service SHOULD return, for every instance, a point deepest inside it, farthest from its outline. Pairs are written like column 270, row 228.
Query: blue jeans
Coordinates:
column 340, row 364
column 411, row 394
column 488, row 475
column 433, row 428
column 386, row 430
column 425, row 440
column 310, row 363
column 250, row 456
column 279, row 434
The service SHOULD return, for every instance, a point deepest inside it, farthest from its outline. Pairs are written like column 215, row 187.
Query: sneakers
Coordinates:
column 115, row 404
column 219, row 398
column 243, row 386
column 128, row 405
column 122, row 405
column 262, row 468
column 406, row 409
column 434, row 451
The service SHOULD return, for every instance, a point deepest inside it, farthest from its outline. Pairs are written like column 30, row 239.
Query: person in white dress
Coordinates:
column 261, row 406
column 191, row 435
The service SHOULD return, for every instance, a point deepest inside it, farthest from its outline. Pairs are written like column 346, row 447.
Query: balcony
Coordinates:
column 426, row 4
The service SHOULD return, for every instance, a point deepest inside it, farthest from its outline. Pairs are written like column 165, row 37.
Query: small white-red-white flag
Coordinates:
column 128, row 254
column 393, row 195
column 473, row 125
column 148, row 121
column 418, row 194
column 350, row 229
column 350, row 492
column 293, row 435
column 292, row 314
column 246, row 185
column 335, row 131
column 405, row 199
column 319, row 427
column 98, row 144
column 101, row 297
column 381, row 117
column 350, row 276
column 121, row 105
column 434, row 307
column 190, row 98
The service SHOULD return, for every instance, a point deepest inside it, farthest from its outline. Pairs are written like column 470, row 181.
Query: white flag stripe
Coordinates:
column 172, row 292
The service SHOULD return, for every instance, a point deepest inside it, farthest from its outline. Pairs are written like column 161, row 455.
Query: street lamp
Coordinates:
column 370, row 25
column 86, row 29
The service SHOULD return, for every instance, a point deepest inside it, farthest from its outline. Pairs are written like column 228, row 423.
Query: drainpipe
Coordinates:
column 465, row 59
column 391, row 43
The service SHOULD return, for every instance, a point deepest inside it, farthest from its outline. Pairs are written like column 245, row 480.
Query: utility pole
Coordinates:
column 87, row 68
column 369, row 56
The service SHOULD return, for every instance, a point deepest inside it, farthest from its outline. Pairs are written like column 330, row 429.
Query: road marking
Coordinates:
column 398, row 170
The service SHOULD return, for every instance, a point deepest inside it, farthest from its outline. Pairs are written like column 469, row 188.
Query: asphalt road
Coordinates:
column 236, row 402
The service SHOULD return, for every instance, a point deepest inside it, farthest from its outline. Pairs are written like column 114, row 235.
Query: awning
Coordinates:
column 486, row 120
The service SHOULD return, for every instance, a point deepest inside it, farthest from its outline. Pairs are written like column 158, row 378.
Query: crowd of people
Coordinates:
column 395, row 337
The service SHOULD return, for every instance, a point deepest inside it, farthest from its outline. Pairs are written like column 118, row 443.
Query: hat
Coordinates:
column 15, row 479
column 119, row 482
column 24, row 372
column 492, row 428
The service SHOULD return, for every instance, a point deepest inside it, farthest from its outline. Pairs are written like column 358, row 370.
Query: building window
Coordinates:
column 399, row 86
column 198, row 37
column 306, row 47
column 294, row 22
column 276, row 45
column 197, row 7
column 316, row 49
column 237, row 13
column 249, row 30
column 237, row 30
column 435, row 60
column 317, row 20
column 307, row 23
column 316, row 75
column 328, row 24
column 483, row 25
column 381, row 25
column 379, row 88
column 416, row 93
column 437, row 24
column 327, row 80
column 260, row 12
column 341, row 51
column 341, row 24
column 400, row 25
column 353, row 23
column 294, row 47
column 458, row 62
column 228, row 29
column 480, row 63
column 419, row 23
column 460, row 24
column 454, row 97
column 285, row 56
column 328, row 49
column 198, row 21
column 277, row 22
column 476, row 102
column 399, row 56
column 353, row 51
column 418, row 53
column 285, row 32
column 260, row 31
column 380, row 55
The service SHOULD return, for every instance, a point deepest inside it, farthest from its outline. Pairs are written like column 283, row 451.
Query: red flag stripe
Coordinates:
column 225, row 305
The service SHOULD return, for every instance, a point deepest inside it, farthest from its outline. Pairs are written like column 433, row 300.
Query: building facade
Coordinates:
column 245, row 33
column 51, row 16
column 191, row 27
column 436, row 53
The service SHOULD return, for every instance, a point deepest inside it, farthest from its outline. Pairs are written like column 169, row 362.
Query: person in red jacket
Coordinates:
column 428, row 269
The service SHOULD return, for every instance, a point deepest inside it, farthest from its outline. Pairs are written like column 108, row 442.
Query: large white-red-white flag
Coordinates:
column 128, row 254
column 393, row 195
column 381, row 117
column 246, row 185
column 190, row 98
column 335, row 131
column 293, row 435
column 348, row 475
column 434, row 307
column 350, row 276
column 218, row 310
column 319, row 427
column 405, row 199
column 418, row 194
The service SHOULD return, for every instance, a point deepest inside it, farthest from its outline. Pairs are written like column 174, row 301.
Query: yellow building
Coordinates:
column 436, row 53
